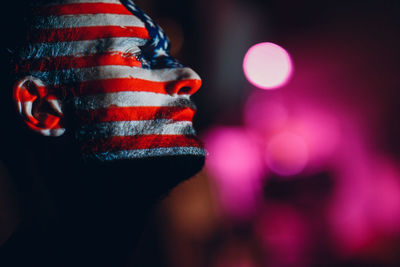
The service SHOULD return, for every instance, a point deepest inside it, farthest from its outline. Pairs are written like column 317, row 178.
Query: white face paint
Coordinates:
column 131, row 98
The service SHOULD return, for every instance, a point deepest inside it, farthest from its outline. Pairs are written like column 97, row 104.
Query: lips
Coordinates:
column 182, row 114
column 135, row 114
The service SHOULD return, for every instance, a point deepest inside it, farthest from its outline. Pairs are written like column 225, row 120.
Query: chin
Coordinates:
column 130, row 141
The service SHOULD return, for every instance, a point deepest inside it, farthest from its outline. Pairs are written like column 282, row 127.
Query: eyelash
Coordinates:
column 133, row 52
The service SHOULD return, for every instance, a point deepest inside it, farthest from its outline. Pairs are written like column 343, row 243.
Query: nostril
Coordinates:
column 185, row 90
column 183, row 87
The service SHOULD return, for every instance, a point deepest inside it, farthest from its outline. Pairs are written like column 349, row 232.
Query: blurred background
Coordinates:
column 304, row 165
column 306, row 173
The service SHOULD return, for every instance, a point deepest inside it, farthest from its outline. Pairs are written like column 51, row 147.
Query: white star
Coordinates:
column 156, row 40
column 132, row 6
column 160, row 52
column 151, row 23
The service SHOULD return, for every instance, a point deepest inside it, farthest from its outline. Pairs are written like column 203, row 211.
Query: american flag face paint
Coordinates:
column 109, row 62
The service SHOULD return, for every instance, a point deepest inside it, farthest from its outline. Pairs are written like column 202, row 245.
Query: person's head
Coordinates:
column 101, row 70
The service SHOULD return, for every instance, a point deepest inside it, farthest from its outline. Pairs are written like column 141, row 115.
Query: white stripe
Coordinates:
column 53, row 132
column 144, row 153
column 27, row 108
column 56, row 104
column 131, row 99
column 116, row 72
column 74, row 21
column 19, row 107
column 132, row 128
column 81, row 48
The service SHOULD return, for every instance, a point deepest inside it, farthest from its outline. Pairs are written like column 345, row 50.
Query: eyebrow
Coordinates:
column 79, row 48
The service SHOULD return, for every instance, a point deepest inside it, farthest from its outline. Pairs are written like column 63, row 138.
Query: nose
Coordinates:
column 185, row 82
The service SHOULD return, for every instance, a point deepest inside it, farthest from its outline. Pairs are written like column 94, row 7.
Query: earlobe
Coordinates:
column 40, row 109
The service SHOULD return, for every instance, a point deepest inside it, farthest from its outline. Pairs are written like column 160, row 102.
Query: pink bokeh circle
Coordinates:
column 287, row 154
column 267, row 66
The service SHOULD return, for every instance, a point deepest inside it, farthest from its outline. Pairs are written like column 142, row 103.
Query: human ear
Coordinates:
column 39, row 108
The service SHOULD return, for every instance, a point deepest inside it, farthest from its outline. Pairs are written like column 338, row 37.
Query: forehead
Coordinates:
column 93, row 27
column 64, row 16
column 68, row 14
column 88, row 20
column 76, row 7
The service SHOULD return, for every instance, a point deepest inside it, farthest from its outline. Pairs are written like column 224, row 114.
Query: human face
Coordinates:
column 109, row 63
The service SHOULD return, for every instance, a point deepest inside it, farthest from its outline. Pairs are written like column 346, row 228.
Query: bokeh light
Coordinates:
column 287, row 154
column 237, row 168
column 320, row 128
column 267, row 66
column 284, row 234
column 264, row 114
column 233, row 155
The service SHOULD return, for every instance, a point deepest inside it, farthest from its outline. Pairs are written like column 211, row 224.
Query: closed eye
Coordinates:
column 133, row 51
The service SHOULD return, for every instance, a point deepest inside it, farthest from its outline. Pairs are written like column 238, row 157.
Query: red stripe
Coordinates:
column 86, row 33
column 120, row 85
column 24, row 95
column 83, row 8
column 121, row 143
column 44, row 122
column 71, row 62
column 136, row 114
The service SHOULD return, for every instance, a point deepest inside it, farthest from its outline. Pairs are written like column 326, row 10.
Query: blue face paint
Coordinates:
column 156, row 53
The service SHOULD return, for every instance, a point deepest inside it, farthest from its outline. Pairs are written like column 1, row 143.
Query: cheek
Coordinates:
column 115, row 105
column 127, row 94
column 122, row 118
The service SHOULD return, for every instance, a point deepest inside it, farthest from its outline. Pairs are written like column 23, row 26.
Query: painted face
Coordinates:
column 107, row 63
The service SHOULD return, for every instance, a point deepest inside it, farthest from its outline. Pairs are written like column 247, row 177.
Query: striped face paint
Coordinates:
column 109, row 63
